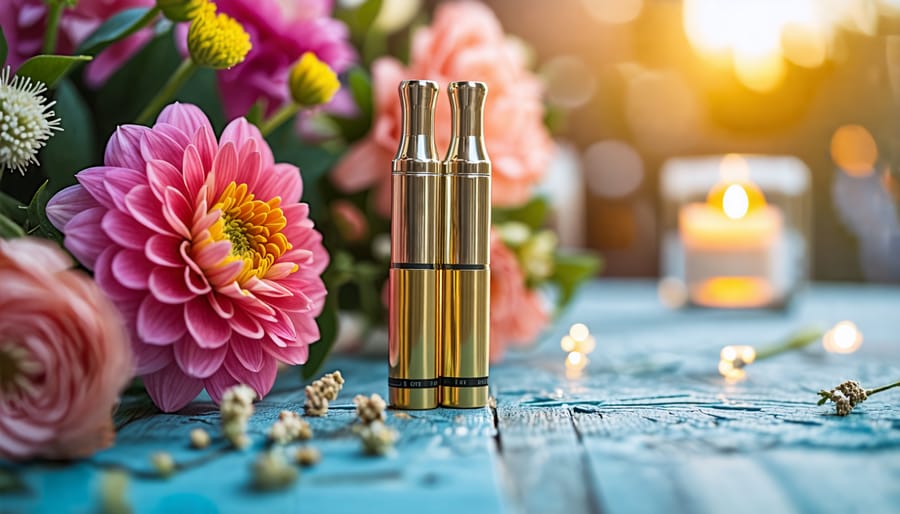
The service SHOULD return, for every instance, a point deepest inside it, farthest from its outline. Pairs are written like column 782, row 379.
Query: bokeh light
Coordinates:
column 672, row 292
column 735, row 202
column 844, row 337
column 663, row 110
column 568, row 81
column 614, row 12
column 853, row 150
column 733, row 359
column 396, row 14
column 613, row 169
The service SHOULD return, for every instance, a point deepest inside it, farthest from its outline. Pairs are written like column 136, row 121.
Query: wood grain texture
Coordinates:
column 649, row 427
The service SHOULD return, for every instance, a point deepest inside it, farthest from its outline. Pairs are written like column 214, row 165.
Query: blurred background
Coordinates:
column 632, row 83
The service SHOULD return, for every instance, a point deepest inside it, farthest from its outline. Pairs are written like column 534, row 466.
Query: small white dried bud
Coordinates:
column 199, row 438
column 307, row 456
column 376, row 438
column 163, row 463
column 370, row 408
column 271, row 471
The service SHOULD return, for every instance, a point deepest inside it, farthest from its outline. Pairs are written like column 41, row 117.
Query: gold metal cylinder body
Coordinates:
column 416, row 237
column 465, row 331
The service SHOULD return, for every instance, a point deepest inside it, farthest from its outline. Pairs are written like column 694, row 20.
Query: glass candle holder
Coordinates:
column 735, row 229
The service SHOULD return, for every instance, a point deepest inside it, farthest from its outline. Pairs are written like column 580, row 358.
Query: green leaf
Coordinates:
column 12, row 208
column 533, row 213
column 116, row 28
column 9, row 228
column 37, row 223
column 359, row 18
column 50, row 69
column 328, row 328
column 570, row 271
column 4, row 49
column 71, row 150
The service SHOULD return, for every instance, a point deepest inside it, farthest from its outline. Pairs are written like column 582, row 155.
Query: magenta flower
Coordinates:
column 23, row 23
column 205, row 249
column 280, row 31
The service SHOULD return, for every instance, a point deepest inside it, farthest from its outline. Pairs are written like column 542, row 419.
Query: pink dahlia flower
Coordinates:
column 64, row 355
column 280, row 31
column 464, row 42
column 518, row 314
column 23, row 23
column 205, row 249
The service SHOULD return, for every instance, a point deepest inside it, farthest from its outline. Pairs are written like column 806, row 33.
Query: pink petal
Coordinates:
column 205, row 141
column 119, row 184
column 163, row 250
column 198, row 362
column 170, row 389
column 361, row 167
column 245, row 324
column 124, row 230
column 194, row 171
column 151, row 358
column 292, row 355
column 188, row 117
column 93, row 179
column 123, row 148
column 222, row 305
column 210, row 255
column 196, row 282
column 260, row 381
column 159, row 323
column 161, row 175
column 239, row 131
column 281, row 180
column 104, row 277
column 158, row 145
column 218, row 383
column 67, row 203
column 168, row 285
column 251, row 163
column 177, row 211
column 248, row 352
column 207, row 328
column 84, row 236
column 131, row 269
column 225, row 168
column 306, row 327
column 146, row 209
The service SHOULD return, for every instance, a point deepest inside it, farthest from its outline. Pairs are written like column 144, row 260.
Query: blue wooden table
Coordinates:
column 649, row 427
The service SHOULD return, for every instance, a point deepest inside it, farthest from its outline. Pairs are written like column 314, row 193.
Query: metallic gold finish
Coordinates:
column 466, row 259
column 416, row 232
column 467, row 298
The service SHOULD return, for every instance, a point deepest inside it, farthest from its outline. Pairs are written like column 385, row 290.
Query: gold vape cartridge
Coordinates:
column 414, row 318
column 466, row 262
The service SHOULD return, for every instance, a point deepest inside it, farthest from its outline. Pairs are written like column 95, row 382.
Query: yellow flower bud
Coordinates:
column 217, row 40
column 181, row 10
column 312, row 82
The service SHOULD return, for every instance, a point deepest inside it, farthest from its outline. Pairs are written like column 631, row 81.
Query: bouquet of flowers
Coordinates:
column 154, row 156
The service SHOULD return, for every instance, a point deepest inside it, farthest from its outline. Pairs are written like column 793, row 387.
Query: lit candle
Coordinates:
column 733, row 247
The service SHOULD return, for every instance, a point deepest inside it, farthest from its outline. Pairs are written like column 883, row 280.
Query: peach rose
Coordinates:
column 517, row 313
column 465, row 42
column 64, row 356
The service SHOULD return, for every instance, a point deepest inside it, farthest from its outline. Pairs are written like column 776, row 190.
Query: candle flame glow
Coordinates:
column 735, row 202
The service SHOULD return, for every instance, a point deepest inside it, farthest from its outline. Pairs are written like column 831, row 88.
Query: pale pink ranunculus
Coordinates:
column 280, row 31
column 518, row 314
column 206, row 250
column 464, row 42
column 64, row 355
column 23, row 23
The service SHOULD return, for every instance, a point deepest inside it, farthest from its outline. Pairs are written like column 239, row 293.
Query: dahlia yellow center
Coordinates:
column 254, row 229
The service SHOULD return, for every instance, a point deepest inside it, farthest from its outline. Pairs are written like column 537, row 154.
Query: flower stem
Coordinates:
column 277, row 119
column 52, row 32
column 870, row 392
column 178, row 78
column 798, row 339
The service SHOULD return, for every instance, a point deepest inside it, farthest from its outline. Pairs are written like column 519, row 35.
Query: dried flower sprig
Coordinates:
column 272, row 471
column 850, row 394
column 199, row 438
column 163, row 463
column 370, row 408
column 289, row 427
column 322, row 391
column 376, row 438
column 235, row 411
column 734, row 358
column 307, row 456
